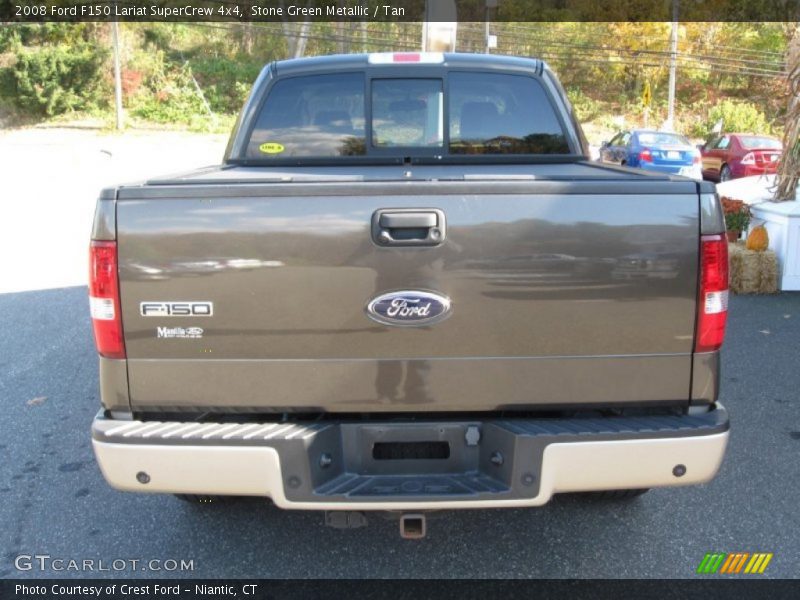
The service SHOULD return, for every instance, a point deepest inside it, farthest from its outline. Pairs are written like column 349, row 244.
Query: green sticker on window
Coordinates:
column 271, row 148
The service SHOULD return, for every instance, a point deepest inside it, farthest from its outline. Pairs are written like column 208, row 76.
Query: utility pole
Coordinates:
column 486, row 34
column 673, row 65
column 440, row 26
column 117, row 75
column 425, row 25
column 488, row 41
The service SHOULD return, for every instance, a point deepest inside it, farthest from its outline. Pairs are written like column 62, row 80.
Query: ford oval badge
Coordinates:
column 409, row 308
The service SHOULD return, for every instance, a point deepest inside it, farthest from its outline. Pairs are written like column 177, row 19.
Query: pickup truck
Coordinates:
column 407, row 288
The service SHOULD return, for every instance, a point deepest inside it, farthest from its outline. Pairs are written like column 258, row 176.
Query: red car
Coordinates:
column 734, row 155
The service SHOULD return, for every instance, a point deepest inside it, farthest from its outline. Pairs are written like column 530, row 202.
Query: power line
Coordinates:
column 278, row 30
column 646, row 37
column 587, row 51
column 751, row 66
column 769, row 67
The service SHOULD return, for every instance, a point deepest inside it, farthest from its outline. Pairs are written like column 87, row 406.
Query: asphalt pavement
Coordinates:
column 54, row 502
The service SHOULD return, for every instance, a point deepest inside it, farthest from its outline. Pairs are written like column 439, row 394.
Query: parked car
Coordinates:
column 735, row 155
column 431, row 317
column 653, row 151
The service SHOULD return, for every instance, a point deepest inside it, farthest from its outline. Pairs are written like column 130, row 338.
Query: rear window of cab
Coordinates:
column 343, row 115
column 658, row 138
column 752, row 142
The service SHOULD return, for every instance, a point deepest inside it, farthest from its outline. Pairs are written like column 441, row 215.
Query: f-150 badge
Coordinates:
column 409, row 308
column 176, row 309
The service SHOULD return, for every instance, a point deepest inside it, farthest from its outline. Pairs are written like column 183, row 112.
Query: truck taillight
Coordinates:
column 749, row 159
column 389, row 58
column 712, row 311
column 406, row 57
column 104, row 302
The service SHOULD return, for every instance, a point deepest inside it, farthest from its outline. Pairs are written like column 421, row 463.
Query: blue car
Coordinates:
column 653, row 151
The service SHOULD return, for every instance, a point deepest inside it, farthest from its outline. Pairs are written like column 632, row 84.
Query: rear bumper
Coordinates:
column 330, row 466
column 691, row 170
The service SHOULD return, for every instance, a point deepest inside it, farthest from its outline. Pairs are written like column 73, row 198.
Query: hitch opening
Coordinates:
column 413, row 526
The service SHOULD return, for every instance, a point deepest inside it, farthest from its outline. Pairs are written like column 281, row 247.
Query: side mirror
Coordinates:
column 604, row 144
column 701, row 147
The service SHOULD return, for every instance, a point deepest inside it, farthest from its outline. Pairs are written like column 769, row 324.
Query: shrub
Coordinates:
column 171, row 98
column 586, row 109
column 736, row 116
column 9, row 39
column 695, row 123
column 57, row 79
column 42, row 34
column 221, row 80
column 737, row 214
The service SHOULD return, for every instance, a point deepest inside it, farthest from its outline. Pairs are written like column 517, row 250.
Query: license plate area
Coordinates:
column 411, row 451
column 400, row 449
column 673, row 155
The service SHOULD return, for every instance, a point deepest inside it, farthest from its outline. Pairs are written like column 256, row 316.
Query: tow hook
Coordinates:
column 413, row 526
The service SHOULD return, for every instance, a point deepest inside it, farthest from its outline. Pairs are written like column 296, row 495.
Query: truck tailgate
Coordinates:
column 563, row 294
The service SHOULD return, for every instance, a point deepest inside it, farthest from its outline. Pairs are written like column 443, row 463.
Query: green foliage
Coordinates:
column 46, row 34
column 737, row 214
column 175, row 67
column 57, row 79
column 736, row 116
column 695, row 124
column 226, row 82
column 169, row 96
column 586, row 109
column 163, row 36
column 9, row 39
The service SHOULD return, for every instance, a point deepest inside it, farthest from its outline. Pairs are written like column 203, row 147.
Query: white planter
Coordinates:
column 782, row 221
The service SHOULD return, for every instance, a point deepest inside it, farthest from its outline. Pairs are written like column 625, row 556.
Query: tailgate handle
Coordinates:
column 415, row 219
column 408, row 227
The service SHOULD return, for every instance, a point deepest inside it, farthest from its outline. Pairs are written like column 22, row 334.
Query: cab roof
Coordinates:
column 406, row 60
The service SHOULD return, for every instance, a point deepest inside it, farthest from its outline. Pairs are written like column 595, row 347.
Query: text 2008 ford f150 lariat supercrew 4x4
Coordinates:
column 407, row 288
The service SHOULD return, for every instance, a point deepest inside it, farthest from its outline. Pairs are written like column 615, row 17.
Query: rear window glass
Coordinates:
column 407, row 112
column 318, row 115
column 662, row 139
column 493, row 113
column 753, row 142
column 323, row 116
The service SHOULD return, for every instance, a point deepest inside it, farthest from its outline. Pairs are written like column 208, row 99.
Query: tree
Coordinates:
column 789, row 169
column 296, row 38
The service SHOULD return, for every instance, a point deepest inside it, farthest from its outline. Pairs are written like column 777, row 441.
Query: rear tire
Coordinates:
column 725, row 174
